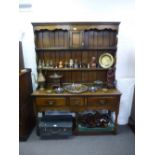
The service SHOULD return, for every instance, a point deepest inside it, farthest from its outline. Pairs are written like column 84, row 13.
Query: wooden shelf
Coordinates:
column 73, row 69
column 76, row 49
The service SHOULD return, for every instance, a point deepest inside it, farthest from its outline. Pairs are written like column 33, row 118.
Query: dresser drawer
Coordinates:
column 76, row 101
column 101, row 101
column 53, row 102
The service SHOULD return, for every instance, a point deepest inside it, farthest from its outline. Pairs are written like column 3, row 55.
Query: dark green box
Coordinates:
column 85, row 129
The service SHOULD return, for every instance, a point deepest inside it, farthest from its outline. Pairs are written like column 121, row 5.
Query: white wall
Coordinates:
column 88, row 10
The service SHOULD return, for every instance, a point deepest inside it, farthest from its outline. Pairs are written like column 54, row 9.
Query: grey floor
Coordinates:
column 121, row 144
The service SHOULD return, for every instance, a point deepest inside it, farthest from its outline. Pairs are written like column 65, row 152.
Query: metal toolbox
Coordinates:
column 55, row 126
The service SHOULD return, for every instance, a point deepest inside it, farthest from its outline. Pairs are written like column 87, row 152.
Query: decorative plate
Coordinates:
column 106, row 60
column 76, row 88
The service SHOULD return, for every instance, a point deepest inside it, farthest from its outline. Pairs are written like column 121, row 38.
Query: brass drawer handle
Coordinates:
column 102, row 102
column 77, row 102
column 51, row 103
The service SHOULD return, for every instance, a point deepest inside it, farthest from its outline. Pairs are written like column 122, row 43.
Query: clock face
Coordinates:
column 106, row 60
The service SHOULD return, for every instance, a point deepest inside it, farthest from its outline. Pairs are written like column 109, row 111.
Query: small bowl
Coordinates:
column 92, row 89
column 99, row 84
column 59, row 90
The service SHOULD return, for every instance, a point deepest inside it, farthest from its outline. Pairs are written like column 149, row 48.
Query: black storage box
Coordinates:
column 55, row 126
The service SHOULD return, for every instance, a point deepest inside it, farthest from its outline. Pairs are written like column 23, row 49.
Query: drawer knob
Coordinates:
column 50, row 103
column 77, row 102
column 102, row 102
